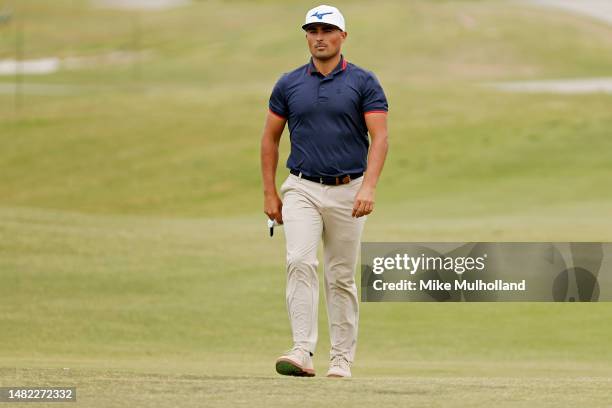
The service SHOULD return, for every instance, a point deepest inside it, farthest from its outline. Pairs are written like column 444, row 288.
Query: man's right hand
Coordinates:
column 273, row 207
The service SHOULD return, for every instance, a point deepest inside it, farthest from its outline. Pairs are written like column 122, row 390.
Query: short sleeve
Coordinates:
column 278, row 101
column 373, row 96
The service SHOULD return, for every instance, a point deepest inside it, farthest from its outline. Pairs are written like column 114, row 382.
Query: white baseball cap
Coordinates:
column 326, row 15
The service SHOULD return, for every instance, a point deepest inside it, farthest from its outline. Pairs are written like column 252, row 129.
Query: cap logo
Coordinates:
column 320, row 15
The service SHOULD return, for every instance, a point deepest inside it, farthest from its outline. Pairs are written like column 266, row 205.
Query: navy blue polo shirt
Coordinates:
column 326, row 116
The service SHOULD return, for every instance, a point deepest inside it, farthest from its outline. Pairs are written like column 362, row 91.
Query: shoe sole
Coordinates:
column 336, row 374
column 288, row 367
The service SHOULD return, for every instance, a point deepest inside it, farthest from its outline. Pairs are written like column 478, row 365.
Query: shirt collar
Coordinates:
column 312, row 69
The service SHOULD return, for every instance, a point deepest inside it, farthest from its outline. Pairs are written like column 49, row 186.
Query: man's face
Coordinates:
column 324, row 40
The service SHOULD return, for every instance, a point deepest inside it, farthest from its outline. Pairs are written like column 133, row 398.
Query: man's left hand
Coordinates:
column 364, row 201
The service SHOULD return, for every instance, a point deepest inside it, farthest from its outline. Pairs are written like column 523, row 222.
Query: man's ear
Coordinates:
column 344, row 35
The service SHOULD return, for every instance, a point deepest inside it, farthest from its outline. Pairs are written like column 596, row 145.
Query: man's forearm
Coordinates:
column 269, row 162
column 376, row 160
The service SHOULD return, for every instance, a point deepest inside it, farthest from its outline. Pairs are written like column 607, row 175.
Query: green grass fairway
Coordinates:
column 118, row 389
column 134, row 257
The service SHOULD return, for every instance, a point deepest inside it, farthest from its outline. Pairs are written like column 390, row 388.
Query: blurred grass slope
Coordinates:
column 182, row 138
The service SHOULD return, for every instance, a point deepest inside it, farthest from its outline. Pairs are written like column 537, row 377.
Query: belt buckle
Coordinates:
column 346, row 179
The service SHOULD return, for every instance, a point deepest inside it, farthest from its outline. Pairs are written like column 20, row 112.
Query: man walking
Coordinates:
column 331, row 106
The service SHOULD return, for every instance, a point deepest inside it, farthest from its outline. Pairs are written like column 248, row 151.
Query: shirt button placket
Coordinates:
column 322, row 90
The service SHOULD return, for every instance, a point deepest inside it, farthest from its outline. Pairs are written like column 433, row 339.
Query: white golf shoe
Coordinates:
column 296, row 362
column 339, row 366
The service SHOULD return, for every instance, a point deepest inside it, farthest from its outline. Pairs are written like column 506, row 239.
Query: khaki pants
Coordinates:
column 312, row 211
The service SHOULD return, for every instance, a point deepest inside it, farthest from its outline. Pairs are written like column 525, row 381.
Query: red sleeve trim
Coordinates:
column 375, row 111
column 276, row 114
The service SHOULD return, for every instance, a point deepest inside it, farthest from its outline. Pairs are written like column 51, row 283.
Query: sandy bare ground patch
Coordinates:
column 43, row 89
column 49, row 65
column 565, row 86
column 599, row 9
column 40, row 66
column 140, row 4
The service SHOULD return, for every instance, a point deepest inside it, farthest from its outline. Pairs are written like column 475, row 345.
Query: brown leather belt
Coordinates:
column 327, row 180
